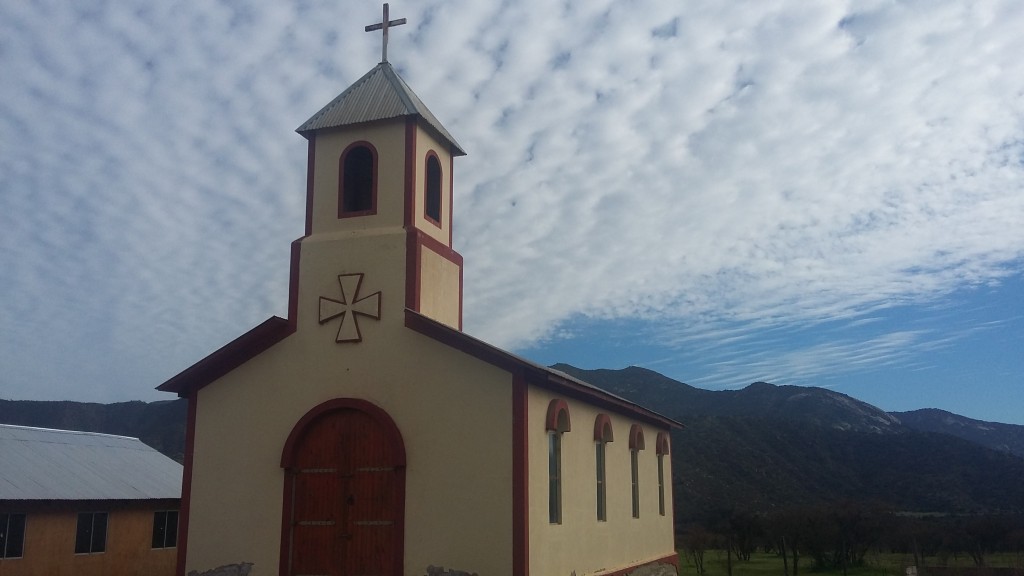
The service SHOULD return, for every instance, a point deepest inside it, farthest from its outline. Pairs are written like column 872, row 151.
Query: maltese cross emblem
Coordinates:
column 349, row 307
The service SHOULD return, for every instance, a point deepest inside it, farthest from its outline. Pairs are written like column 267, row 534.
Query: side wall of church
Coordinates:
column 582, row 544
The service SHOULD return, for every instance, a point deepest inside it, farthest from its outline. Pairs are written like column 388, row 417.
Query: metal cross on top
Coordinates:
column 384, row 25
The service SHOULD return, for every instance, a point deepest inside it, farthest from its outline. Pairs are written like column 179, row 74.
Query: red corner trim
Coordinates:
column 520, row 478
column 310, row 162
column 603, row 428
column 410, row 171
column 553, row 420
column 186, row 484
column 636, row 437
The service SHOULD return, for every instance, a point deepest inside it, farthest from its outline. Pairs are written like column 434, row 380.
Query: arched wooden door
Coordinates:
column 344, row 493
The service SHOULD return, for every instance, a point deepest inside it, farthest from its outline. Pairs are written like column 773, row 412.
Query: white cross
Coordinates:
column 349, row 306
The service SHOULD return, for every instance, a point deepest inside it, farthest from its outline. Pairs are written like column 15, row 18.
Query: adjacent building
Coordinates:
column 82, row 504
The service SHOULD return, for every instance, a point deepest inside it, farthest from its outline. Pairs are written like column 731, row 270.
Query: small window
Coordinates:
column 661, row 449
column 12, row 535
column 602, row 435
column 433, row 189
column 556, row 423
column 165, row 529
column 636, row 444
column 91, row 537
column 358, row 194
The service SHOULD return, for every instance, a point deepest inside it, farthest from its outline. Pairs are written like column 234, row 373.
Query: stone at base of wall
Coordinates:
column 654, row 570
column 440, row 571
column 240, row 569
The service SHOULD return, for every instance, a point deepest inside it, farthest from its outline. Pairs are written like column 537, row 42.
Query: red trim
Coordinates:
column 536, row 374
column 661, row 444
column 520, row 478
column 451, row 209
column 553, row 420
column 636, row 437
column 230, row 356
column 341, row 181
column 460, row 290
column 288, row 459
column 410, row 171
column 293, row 285
column 603, row 428
column 310, row 162
column 186, row 484
column 426, row 189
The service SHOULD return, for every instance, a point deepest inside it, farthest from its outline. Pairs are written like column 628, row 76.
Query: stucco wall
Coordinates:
column 454, row 414
column 50, row 545
column 581, row 543
column 440, row 288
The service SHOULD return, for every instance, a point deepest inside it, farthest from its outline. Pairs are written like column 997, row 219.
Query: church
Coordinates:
column 367, row 434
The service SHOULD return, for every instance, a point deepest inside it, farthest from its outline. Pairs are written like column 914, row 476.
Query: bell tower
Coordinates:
column 379, row 204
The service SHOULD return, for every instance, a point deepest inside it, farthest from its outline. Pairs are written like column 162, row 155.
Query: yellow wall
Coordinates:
column 440, row 288
column 581, row 543
column 50, row 546
column 454, row 414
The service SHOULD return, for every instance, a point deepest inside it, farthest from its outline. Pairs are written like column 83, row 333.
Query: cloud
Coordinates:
column 767, row 164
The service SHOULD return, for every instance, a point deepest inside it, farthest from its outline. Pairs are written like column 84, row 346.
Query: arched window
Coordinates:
column 602, row 435
column 661, row 449
column 357, row 194
column 636, row 444
column 556, row 423
column 432, row 206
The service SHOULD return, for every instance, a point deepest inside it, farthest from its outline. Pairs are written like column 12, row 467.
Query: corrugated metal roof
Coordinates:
column 379, row 95
column 43, row 464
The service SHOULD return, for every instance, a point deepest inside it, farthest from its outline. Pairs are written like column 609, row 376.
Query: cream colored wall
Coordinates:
column 50, row 546
column 388, row 138
column 454, row 413
column 581, row 543
column 425, row 142
column 440, row 292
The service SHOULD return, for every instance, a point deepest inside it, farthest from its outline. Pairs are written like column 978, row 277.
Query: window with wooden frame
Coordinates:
column 556, row 423
column 432, row 189
column 661, row 449
column 12, row 535
column 165, row 529
column 91, row 536
column 602, row 435
column 636, row 444
column 357, row 189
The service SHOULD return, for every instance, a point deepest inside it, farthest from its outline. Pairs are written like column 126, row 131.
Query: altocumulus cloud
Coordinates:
column 723, row 167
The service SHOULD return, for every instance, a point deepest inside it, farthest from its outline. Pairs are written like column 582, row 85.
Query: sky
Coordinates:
column 810, row 193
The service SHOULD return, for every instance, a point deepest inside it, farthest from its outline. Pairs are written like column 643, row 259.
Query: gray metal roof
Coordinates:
column 379, row 95
column 43, row 464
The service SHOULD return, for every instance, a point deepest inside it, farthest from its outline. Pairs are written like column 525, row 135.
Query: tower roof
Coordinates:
column 379, row 95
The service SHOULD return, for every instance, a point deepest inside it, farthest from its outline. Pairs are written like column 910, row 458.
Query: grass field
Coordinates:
column 875, row 564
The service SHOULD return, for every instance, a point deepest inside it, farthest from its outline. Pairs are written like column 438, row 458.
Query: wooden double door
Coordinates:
column 347, row 502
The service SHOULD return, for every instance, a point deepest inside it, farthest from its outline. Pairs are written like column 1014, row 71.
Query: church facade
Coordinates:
column 367, row 434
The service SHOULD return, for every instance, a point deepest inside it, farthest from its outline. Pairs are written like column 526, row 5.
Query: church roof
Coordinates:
column 380, row 94
column 44, row 464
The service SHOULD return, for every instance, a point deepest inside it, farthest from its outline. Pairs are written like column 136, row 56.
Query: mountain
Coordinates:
column 1002, row 437
column 758, row 449
column 161, row 425
column 768, row 447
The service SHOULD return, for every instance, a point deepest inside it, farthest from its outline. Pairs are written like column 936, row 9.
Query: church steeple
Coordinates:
column 379, row 199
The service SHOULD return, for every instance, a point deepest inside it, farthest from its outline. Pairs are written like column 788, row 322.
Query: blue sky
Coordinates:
column 826, row 194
